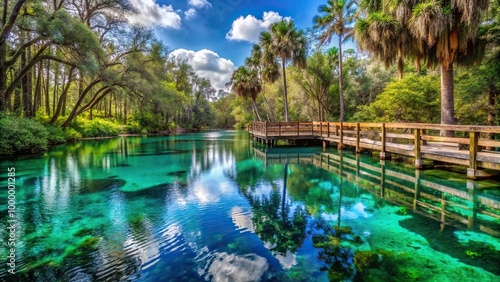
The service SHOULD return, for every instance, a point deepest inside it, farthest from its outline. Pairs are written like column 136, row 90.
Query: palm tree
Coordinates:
column 337, row 17
column 284, row 42
column 439, row 32
column 245, row 83
column 268, row 71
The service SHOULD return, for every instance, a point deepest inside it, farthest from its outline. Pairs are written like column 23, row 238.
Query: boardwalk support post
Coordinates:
column 418, row 154
column 358, row 148
column 383, row 154
column 473, row 146
column 341, row 140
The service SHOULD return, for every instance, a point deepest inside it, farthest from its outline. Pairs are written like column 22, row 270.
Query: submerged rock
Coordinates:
column 156, row 191
column 179, row 173
column 98, row 185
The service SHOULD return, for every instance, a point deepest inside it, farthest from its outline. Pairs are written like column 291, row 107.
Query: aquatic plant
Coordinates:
column 402, row 211
column 472, row 254
column 367, row 259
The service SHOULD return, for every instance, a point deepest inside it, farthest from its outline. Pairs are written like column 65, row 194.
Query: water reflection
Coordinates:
column 451, row 201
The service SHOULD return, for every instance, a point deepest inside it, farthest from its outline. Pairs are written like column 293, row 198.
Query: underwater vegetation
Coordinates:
column 344, row 260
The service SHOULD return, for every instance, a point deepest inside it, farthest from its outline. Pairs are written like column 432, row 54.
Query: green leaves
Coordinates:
column 411, row 99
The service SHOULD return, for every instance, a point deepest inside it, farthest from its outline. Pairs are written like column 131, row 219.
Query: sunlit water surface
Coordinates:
column 208, row 207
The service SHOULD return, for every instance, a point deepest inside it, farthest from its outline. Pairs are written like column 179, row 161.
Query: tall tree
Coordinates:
column 284, row 42
column 336, row 18
column 442, row 33
column 246, row 84
column 268, row 71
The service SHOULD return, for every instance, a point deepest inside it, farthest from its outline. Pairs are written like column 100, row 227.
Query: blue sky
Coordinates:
column 215, row 36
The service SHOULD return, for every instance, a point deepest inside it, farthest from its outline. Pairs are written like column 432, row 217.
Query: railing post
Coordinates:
column 358, row 148
column 321, row 128
column 473, row 147
column 418, row 155
column 383, row 154
column 279, row 128
column 328, row 129
column 341, row 141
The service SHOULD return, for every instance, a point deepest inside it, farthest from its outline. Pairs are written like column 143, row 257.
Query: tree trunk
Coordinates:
column 285, row 95
column 17, row 102
column 283, row 200
column 38, row 89
column 3, row 77
column 25, row 86
column 447, row 99
column 256, row 110
column 125, row 111
column 56, row 85
column 341, row 92
column 47, row 94
column 62, row 99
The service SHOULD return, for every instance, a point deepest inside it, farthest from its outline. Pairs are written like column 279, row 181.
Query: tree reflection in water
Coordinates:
column 276, row 224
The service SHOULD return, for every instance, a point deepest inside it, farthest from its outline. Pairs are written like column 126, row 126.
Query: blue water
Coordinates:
column 208, row 207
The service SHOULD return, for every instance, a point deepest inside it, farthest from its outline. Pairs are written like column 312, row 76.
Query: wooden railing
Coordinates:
column 471, row 145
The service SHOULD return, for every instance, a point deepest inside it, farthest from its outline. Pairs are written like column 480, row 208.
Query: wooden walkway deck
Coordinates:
column 450, row 202
column 470, row 147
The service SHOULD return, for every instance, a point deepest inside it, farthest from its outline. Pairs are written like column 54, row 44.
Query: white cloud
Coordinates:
column 207, row 64
column 191, row 13
column 150, row 13
column 249, row 28
column 199, row 3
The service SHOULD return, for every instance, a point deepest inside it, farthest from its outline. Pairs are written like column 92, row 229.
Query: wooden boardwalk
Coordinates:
column 450, row 202
column 472, row 145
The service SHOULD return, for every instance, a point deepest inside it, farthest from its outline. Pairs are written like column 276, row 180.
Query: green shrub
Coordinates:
column 55, row 134
column 22, row 135
column 96, row 127
column 134, row 127
column 72, row 135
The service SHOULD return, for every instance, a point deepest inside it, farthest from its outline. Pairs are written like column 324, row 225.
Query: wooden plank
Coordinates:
column 488, row 143
column 445, row 159
column 445, row 139
column 400, row 135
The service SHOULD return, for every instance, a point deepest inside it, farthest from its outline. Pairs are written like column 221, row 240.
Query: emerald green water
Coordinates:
column 208, row 207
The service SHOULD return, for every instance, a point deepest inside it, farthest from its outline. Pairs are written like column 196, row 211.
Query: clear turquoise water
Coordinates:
column 207, row 207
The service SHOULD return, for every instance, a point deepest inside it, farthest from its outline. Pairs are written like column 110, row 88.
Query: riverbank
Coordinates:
column 29, row 136
column 23, row 136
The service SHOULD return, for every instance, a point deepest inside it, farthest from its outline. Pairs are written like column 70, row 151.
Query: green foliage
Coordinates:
column 72, row 134
column 55, row 135
column 22, row 135
column 411, row 99
column 148, row 122
column 96, row 127
column 134, row 127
